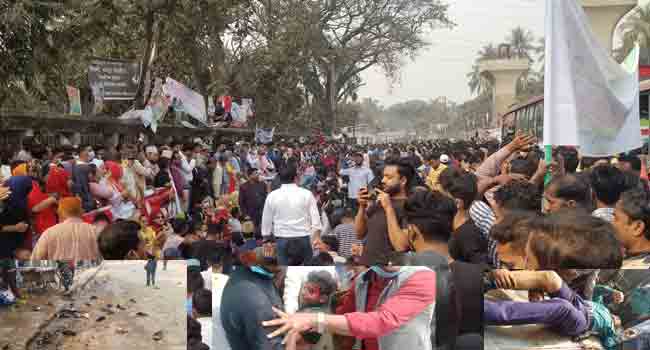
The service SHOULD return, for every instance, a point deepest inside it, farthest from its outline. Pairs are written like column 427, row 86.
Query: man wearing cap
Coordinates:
column 359, row 177
column 72, row 239
column 438, row 165
column 252, row 195
column 151, row 162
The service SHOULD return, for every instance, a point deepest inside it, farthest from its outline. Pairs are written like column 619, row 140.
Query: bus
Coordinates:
column 528, row 117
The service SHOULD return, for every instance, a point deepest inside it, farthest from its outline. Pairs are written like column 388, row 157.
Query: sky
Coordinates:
column 440, row 70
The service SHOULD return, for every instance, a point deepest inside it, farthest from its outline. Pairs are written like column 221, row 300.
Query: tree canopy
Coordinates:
column 299, row 59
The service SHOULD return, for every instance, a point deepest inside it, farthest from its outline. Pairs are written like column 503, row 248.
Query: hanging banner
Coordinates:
column 75, row 100
column 264, row 136
column 158, row 105
column 191, row 101
column 117, row 78
column 98, row 96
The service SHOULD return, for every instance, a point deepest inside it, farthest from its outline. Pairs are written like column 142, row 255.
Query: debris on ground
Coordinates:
column 132, row 300
column 69, row 313
column 100, row 318
column 141, row 314
column 121, row 331
column 69, row 333
column 157, row 336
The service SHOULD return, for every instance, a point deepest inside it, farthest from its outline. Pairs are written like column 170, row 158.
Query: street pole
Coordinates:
column 332, row 86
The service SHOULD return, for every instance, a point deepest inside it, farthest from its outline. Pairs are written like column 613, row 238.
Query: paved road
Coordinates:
column 97, row 323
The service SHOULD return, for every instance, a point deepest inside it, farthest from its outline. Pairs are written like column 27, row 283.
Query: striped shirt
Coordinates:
column 347, row 237
column 483, row 217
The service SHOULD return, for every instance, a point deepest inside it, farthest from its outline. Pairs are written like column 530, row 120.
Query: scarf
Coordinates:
column 115, row 170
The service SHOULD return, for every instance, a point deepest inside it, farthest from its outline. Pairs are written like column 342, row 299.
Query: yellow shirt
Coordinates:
column 434, row 174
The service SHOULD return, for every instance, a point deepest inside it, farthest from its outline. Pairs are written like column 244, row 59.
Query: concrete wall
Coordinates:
column 604, row 16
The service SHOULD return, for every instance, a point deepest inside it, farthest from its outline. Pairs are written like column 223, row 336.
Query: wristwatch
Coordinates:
column 320, row 323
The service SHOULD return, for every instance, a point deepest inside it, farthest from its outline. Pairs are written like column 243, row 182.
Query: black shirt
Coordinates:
column 378, row 249
column 467, row 244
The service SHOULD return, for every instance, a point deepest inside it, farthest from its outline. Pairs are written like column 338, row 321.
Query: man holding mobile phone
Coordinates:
column 359, row 177
column 376, row 216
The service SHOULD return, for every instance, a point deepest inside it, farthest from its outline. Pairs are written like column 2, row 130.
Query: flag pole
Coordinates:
column 548, row 158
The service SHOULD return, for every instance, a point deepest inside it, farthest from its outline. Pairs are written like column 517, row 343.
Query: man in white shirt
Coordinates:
column 359, row 176
column 218, row 283
column 202, row 312
column 291, row 215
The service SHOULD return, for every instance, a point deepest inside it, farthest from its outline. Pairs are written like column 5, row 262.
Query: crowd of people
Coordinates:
column 398, row 226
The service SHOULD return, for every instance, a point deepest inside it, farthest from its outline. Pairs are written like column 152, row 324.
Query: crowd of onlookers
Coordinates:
column 459, row 208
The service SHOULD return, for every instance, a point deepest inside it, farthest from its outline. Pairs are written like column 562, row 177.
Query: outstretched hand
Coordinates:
column 291, row 325
column 522, row 142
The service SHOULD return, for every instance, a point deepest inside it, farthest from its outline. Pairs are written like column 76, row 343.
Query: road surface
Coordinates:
column 117, row 311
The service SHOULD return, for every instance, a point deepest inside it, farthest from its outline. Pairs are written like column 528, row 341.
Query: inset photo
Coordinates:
column 265, row 306
column 567, row 309
column 91, row 305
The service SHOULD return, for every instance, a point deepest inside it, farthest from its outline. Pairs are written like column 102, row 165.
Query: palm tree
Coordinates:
column 635, row 28
column 540, row 50
column 521, row 42
column 478, row 83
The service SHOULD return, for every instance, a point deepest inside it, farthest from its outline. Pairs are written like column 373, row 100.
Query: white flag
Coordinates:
column 590, row 101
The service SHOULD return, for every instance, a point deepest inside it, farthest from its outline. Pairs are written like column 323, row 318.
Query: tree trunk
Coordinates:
column 149, row 22
column 199, row 71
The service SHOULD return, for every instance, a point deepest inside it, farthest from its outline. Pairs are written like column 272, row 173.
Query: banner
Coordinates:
column 98, row 96
column 264, row 136
column 590, row 101
column 118, row 79
column 192, row 102
column 75, row 100
column 157, row 106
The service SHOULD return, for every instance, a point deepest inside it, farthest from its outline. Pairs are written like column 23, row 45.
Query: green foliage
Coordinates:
column 281, row 52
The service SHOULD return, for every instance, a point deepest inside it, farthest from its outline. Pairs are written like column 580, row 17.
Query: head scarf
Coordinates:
column 70, row 207
column 20, row 170
column 114, row 169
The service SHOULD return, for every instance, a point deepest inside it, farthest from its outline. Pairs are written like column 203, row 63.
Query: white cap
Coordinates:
column 444, row 159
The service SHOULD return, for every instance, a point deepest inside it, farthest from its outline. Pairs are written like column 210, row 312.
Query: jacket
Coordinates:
column 246, row 302
column 414, row 335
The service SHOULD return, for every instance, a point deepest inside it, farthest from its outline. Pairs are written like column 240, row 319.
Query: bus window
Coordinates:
column 531, row 119
column 526, row 123
column 540, row 121
column 522, row 121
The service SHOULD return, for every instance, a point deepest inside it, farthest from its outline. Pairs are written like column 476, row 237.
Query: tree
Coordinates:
column 478, row 83
column 540, row 50
column 340, row 39
column 521, row 42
